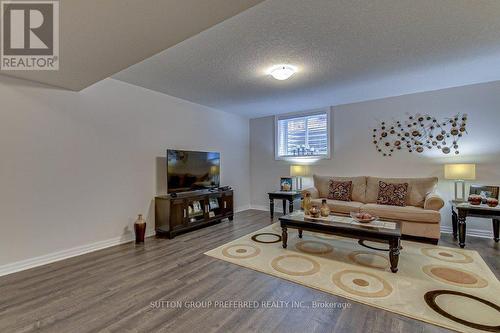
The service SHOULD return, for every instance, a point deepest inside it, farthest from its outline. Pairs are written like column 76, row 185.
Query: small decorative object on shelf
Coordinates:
column 314, row 211
column 307, row 203
column 492, row 202
column 475, row 199
column 286, row 184
column 140, row 229
column 420, row 132
column 325, row 210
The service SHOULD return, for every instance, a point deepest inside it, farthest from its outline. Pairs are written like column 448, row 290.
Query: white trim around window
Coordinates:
column 303, row 135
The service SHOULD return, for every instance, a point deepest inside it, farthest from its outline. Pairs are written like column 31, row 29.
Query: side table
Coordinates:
column 284, row 196
column 462, row 210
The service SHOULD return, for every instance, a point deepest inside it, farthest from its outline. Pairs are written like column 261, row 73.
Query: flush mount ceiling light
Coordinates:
column 282, row 72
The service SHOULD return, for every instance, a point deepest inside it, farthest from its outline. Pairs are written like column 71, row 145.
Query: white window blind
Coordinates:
column 303, row 135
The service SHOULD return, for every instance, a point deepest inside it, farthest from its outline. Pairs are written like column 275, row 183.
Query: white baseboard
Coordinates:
column 265, row 208
column 65, row 254
column 242, row 208
column 469, row 232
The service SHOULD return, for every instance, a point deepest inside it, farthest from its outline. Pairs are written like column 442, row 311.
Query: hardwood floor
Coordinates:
column 112, row 290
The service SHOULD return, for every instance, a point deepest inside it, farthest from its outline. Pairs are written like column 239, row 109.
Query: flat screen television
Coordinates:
column 192, row 170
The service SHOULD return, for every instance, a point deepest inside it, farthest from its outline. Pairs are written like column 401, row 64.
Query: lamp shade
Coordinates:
column 299, row 170
column 460, row 171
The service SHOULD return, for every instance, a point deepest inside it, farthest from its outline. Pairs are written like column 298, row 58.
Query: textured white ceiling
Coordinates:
column 347, row 51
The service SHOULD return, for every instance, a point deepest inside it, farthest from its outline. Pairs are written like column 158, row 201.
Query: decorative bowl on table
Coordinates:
column 363, row 217
column 492, row 202
column 475, row 199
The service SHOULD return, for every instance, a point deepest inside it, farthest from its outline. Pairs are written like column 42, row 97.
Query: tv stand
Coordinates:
column 191, row 210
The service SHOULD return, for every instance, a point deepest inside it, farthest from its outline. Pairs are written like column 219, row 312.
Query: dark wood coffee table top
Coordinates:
column 299, row 220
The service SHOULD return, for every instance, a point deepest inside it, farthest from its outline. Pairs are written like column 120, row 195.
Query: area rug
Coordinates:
column 448, row 287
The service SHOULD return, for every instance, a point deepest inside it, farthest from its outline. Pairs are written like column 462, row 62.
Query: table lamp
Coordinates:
column 299, row 171
column 460, row 173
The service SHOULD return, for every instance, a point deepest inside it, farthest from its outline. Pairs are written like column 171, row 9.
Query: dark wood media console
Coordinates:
column 189, row 211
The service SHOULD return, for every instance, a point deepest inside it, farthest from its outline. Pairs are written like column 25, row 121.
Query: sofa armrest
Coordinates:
column 433, row 201
column 314, row 192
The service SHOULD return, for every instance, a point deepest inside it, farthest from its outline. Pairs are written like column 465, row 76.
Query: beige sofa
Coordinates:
column 420, row 217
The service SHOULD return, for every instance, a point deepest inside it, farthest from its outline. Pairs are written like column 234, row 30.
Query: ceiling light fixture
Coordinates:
column 282, row 72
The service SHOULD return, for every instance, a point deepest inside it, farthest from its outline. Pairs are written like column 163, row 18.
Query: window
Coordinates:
column 303, row 135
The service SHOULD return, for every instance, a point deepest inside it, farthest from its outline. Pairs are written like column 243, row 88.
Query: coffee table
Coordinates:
column 346, row 227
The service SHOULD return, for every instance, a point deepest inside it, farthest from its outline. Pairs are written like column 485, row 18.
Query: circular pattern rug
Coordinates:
column 455, row 276
column 314, row 247
column 447, row 255
column 295, row 265
column 340, row 266
column 240, row 251
column 465, row 309
column 266, row 238
column 361, row 283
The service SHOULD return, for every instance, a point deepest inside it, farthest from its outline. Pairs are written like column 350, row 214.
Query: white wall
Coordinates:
column 354, row 153
column 77, row 167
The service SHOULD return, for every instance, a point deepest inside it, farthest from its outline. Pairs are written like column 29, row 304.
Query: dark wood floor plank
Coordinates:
column 111, row 290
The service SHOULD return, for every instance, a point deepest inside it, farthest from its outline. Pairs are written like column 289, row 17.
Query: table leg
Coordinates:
column 300, row 233
column 462, row 216
column 290, row 206
column 271, row 207
column 284, row 206
column 496, row 227
column 284, row 236
column 454, row 222
column 394, row 246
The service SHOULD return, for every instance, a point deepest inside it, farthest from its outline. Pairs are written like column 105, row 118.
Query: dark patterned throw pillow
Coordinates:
column 392, row 194
column 339, row 190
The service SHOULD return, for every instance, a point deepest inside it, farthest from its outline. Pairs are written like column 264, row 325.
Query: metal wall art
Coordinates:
column 420, row 132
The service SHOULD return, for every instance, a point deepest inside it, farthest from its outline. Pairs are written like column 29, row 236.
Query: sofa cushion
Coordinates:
column 418, row 189
column 358, row 186
column 408, row 213
column 337, row 206
column 392, row 194
column 339, row 190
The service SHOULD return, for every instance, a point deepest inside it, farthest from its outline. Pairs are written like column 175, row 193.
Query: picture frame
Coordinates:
column 197, row 206
column 286, row 184
column 213, row 203
column 485, row 191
